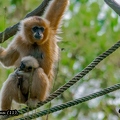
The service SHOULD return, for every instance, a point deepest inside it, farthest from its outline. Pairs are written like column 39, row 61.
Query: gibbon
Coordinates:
column 22, row 85
column 37, row 37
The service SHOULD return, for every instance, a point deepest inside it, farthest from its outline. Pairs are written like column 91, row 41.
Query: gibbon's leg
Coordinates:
column 55, row 12
column 39, row 88
column 8, row 56
column 9, row 92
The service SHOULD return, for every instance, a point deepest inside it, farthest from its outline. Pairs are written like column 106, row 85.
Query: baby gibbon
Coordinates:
column 23, row 86
column 37, row 37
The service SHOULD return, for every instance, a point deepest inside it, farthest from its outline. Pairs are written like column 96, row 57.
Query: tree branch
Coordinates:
column 113, row 5
column 10, row 31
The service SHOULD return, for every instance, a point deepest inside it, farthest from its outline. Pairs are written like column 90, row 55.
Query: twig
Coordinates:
column 10, row 31
column 113, row 5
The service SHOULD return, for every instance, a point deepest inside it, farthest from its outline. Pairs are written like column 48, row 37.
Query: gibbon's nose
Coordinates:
column 38, row 35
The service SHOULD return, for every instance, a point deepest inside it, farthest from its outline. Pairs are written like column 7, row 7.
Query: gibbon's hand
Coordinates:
column 22, row 73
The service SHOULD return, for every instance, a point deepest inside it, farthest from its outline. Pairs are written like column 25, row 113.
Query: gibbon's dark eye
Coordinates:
column 41, row 28
column 34, row 29
column 29, row 68
column 22, row 66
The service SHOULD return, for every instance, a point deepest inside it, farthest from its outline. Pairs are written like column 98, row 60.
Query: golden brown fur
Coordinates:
column 44, row 50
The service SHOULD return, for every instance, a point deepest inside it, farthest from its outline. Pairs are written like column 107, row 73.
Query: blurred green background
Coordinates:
column 90, row 27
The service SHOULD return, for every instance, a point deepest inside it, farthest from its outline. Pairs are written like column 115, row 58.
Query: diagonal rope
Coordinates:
column 71, row 103
column 76, row 78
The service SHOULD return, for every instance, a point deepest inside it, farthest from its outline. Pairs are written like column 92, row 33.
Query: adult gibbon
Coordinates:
column 23, row 86
column 37, row 37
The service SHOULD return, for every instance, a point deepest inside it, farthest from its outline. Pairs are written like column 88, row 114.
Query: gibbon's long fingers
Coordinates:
column 55, row 12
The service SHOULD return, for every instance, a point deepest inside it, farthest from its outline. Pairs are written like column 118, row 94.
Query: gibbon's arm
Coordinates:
column 55, row 12
column 8, row 56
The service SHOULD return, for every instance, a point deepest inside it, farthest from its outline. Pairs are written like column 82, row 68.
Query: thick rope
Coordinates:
column 71, row 103
column 76, row 78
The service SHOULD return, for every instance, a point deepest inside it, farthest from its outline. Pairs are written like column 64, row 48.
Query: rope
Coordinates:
column 76, row 78
column 71, row 103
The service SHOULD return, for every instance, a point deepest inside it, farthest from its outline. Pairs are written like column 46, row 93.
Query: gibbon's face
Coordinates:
column 36, row 29
column 28, row 64
column 25, row 68
column 38, row 32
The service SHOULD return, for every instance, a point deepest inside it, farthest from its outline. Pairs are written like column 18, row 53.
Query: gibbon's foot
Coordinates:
column 32, row 103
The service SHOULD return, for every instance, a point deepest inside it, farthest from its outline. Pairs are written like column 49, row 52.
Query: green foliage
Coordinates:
column 91, row 28
column 14, row 2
